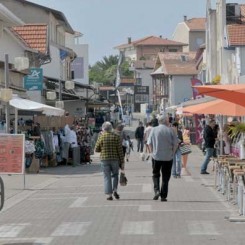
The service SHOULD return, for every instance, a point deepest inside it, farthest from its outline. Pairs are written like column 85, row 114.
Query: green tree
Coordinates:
column 126, row 72
column 105, row 71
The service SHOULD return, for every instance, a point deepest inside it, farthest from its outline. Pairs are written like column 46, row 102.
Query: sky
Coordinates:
column 106, row 24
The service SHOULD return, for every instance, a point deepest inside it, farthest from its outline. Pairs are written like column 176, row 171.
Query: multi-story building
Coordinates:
column 59, row 53
column 192, row 32
column 142, row 55
column 172, row 79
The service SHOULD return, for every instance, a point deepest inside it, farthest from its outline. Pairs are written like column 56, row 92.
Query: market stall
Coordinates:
column 35, row 137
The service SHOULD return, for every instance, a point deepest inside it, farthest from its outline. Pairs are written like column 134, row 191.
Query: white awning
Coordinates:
column 29, row 105
column 196, row 101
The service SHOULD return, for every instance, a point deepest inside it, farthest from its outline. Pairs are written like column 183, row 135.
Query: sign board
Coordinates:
column 34, row 80
column 141, row 96
column 12, row 153
column 77, row 68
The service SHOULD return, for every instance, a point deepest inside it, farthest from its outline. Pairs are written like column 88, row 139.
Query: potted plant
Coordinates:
column 237, row 134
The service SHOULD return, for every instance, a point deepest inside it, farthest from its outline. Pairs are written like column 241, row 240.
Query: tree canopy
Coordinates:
column 105, row 71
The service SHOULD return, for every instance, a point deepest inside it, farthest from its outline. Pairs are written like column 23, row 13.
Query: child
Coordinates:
column 129, row 146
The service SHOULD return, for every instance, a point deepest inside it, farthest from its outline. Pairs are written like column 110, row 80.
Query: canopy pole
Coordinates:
column 221, row 134
column 16, row 120
column 6, row 74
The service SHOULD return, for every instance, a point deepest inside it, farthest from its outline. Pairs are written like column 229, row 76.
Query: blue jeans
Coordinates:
column 140, row 145
column 111, row 170
column 209, row 153
column 176, row 168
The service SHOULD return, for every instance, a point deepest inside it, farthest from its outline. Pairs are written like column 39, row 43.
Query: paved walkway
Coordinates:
column 66, row 205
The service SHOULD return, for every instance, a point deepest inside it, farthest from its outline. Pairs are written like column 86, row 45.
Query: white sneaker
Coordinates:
column 184, row 172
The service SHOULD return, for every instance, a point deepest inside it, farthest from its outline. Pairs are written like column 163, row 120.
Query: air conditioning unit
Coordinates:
column 233, row 10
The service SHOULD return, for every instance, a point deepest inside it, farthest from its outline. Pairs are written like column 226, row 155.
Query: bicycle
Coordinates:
column 1, row 193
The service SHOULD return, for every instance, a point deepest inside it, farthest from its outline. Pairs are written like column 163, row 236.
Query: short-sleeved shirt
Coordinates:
column 163, row 141
column 110, row 147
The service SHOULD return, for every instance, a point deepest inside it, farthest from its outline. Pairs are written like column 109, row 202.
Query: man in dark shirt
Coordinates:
column 139, row 136
column 209, row 138
column 154, row 121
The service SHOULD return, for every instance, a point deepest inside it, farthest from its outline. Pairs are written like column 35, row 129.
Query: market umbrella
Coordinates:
column 234, row 93
column 218, row 106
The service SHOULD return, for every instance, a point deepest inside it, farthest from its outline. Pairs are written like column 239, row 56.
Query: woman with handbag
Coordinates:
column 185, row 149
column 176, row 167
column 111, row 155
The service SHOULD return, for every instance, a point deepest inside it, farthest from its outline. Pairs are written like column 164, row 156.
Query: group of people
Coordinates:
column 162, row 142
column 183, row 134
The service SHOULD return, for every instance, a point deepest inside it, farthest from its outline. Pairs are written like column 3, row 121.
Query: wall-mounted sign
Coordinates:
column 141, row 94
column 34, row 80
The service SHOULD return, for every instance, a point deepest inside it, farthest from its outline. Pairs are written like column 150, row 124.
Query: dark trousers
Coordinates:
column 140, row 145
column 124, row 150
column 165, row 168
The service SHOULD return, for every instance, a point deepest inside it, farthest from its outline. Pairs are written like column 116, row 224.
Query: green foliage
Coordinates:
column 125, row 70
column 105, row 71
column 235, row 130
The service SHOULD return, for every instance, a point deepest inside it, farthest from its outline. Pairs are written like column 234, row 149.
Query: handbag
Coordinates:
column 123, row 180
column 185, row 149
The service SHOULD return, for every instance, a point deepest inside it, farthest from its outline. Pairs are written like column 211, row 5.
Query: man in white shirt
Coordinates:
column 163, row 144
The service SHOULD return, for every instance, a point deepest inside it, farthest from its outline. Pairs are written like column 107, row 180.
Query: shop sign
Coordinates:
column 34, row 80
column 141, row 94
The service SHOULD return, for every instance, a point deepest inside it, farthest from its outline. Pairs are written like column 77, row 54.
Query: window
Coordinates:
column 199, row 41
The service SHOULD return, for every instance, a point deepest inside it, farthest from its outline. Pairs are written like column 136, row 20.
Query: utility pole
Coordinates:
column 6, row 75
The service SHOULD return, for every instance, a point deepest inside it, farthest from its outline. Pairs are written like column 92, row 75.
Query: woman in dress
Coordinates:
column 186, row 141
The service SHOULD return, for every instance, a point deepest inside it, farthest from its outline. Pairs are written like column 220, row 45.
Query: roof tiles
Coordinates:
column 236, row 35
column 35, row 36
column 152, row 40
column 178, row 63
column 196, row 24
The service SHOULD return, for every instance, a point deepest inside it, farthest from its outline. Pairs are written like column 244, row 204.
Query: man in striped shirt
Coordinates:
column 111, row 154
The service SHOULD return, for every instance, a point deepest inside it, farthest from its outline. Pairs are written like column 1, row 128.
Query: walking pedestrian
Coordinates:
column 163, row 144
column 154, row 121
column 146, row 136
column 176, row 168
column 209, row 139
column 129, row 144
column 121, row 133
column 139, row 136
column 187, row 142
column 111, row 155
